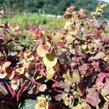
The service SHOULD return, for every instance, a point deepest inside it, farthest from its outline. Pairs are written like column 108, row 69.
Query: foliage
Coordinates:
column 31, row 19
column 66, row 69
column 99, row 10
column 56, row 7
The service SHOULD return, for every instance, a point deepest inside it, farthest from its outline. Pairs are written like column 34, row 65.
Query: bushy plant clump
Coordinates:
column 67, row 69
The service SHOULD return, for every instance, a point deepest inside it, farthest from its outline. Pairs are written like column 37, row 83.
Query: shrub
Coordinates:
column 67, row 69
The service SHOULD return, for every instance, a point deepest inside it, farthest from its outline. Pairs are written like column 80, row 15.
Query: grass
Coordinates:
column 26, row 20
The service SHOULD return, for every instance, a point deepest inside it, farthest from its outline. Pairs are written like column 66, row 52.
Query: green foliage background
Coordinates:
column 56, row 7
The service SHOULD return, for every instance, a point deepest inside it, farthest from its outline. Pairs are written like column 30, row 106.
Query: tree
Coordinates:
column 50, row 6
column 89, row 5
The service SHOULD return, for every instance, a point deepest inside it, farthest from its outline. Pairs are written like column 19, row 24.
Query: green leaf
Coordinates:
column 41, row 51
column 29, row 104
column 50, row 73
column 50, row 60
column 76, row 76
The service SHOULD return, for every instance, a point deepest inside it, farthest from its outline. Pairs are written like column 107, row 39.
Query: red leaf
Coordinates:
column 61, row 85
column 23, row 88
column 101, row 77
column 13, row 93
column 93, row 99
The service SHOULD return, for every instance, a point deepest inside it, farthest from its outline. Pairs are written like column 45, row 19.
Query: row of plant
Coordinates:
column 66, row 69
column 27, row 20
